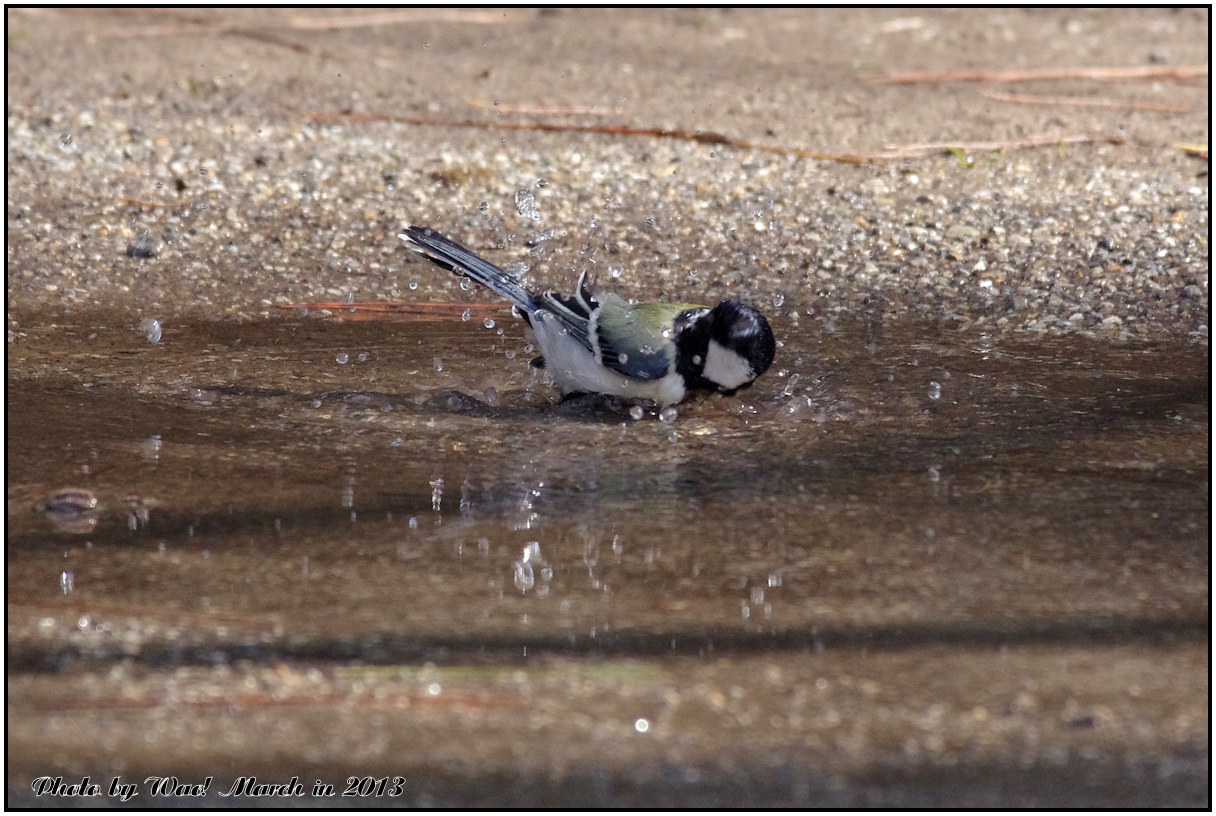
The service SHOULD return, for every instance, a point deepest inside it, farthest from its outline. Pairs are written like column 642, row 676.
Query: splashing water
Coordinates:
column 525, row 204
column 151, row 328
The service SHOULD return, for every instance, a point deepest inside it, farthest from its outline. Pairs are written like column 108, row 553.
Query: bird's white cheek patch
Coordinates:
column 725, row 368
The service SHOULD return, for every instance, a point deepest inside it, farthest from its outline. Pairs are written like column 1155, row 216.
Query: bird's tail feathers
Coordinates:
column 451, row 255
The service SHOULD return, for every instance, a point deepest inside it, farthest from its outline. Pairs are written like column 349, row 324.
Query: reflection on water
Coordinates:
column 304, row 490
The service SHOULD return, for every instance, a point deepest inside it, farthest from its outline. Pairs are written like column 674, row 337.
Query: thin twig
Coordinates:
column 891, row 152
column 544, row 110
column 698, row 136
column 1191, row 148
column 1032, row 74
column 138, row 201
column 1086, row 101
column 385, row 18
column 918, row 150
column 195, row 24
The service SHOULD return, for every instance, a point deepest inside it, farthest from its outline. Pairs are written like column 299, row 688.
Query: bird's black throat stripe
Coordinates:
column 692, row 333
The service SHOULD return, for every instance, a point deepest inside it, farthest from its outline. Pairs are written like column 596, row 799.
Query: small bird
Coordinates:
column 600, row 343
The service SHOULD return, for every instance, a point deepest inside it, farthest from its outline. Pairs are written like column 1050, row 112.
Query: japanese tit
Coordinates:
column 601, row 343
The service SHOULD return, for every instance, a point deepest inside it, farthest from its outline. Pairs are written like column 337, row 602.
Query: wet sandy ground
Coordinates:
column 953, row 550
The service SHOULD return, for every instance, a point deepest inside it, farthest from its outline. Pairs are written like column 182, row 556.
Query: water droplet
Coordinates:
column 668, row 414
column 151, row 447
column 616, row 271
column 622, row 358
column 342, row 358
column 143, row 247
column 151, row 328
column 542, row 183
column 466, row 315
column 436, row 493
column 525, row 579
column 525, row 204
column 488, row 322
column 465, row 284
column 935, row 390
column 484, row 206
column 67, row 581
column 65, row 140
column 413, row 285
column 438, row 364
column 641, row 725
column 778, row 301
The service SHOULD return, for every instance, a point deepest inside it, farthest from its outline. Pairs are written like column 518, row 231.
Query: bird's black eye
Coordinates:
column 688, row 317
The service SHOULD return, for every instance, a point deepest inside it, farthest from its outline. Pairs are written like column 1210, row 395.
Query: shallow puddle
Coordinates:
column 314, row 492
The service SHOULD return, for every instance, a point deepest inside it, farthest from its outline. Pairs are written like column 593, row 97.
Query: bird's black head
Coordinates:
column 726, row 348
